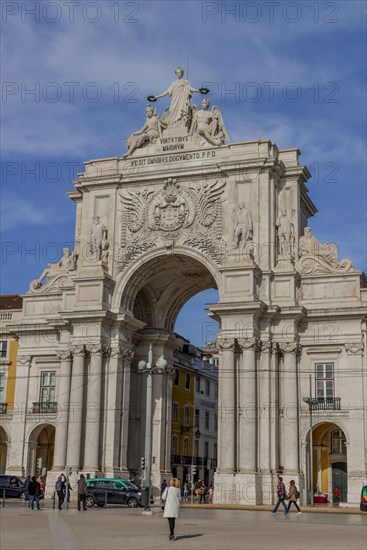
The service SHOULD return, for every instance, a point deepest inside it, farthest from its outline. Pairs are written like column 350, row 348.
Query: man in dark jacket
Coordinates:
column 26, row 486
column 281, row 493
column 60, row 489
column 82, row 492
column 34, row 489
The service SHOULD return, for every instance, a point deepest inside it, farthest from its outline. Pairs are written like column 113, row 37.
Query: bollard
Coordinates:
column 3, row 498
column 54, row 501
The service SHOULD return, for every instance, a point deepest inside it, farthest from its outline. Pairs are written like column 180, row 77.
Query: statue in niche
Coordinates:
column 209, row 124
column 97, row 233
column 285, row 236
column 66, row 264
column 180, row 92
column 243, row 231
column 150, row 132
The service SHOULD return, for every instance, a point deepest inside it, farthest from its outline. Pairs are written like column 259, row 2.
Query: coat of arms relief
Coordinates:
column 185, row 215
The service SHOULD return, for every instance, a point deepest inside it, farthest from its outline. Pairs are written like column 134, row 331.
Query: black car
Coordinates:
column 103, row 491
column 14, row 487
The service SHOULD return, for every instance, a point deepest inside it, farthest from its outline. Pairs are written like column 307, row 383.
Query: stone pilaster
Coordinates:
column 125, row 419
column 76, row 408
column 227, row 407
column 93, row 409
column 114, row 411
column 63, row 403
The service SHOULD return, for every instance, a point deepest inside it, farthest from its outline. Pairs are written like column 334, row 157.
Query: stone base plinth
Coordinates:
column 240, row 488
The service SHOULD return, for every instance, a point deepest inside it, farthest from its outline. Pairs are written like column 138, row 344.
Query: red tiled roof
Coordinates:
column 11, row 301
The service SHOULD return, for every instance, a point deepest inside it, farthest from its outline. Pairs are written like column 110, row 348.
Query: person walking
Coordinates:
column 171, row 499
column 293, row 494
column 185, row 491
column 60, row 489
column 203, row 494
column 281, row 493
column 34, row 489
column 163, row 488
column 337, row 496
column 26, row 492
column 82, row 492
column 210, row 494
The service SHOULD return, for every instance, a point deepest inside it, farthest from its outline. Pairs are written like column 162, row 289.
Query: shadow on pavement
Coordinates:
column 179, row 537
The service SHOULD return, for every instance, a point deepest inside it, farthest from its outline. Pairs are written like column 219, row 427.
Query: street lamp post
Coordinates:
column 159, row 368
column 308, row 400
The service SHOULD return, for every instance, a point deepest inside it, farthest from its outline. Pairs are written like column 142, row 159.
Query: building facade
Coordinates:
column 183, row 211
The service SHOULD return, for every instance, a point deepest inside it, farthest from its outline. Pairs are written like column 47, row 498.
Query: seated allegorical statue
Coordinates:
column 209, row 124
column 150, row 132
column 64, row 265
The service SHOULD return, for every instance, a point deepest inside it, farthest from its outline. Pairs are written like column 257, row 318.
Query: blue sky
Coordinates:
column 298, row 74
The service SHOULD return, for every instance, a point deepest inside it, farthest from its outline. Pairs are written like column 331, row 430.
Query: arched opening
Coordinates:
column 329, row 461
column 41, row 449
column 3, row 450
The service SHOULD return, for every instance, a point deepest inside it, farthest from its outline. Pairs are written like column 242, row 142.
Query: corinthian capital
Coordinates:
column 98, row 348
column 78, row 350
column 24, row 360
column 289, row 347
column 63, row 354
column 248, row 343
column 226, row 343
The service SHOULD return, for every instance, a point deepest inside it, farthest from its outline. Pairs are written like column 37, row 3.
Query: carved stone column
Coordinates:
column 226, row 407
column 264, row 407
column 93, row 411
column 125, row 403
column 248, row 406
column 17, row 459
column 63, row 402
column 114, row 411
column 289, row 408
column 76, row 408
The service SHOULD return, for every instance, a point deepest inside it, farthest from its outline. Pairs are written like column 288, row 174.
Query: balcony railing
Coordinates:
column 324, row 403
column 3, row 408
column 175, row 459
column 45, row 407
column 194, row 460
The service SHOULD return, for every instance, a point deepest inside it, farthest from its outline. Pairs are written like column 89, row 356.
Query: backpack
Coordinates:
column 298, row 494
column 59, row 486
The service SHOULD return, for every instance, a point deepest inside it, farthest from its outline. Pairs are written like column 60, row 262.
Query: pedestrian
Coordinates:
column 69, row 489
column 163, row 488
column 34, row 489
column 171, row 499
column 197, row 489
column 337, row 496
column 281, row 494
column 293, row 495
column 26, row 492
column 82, row 492
column 203, row 493
column 60, row 489
column 210, row 493
column 185, row 491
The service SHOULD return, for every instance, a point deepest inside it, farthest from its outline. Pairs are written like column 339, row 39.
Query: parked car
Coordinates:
column 363, row 505
column 103, row 491
column 14, row 487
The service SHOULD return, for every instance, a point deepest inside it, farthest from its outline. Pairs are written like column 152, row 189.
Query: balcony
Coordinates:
column 3, row 408
column 47, row 407
column 175, row 459
column 323, row 403
column 187, row 460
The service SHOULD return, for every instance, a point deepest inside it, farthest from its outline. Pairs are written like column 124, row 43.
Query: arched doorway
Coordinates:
column 329, row 460
column 41, row 449
column 154, row 293
column 3, row 450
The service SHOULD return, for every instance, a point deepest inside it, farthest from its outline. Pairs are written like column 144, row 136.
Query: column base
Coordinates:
column 239, row 488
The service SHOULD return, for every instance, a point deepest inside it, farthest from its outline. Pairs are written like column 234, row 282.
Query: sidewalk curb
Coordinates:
column 269, row 508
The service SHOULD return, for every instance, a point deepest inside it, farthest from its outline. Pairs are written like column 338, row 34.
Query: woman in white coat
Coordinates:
column 171, row 499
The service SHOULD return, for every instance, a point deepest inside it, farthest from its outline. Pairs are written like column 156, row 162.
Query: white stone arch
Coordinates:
column 31, row 439
column 135, row 274
column 326, row 420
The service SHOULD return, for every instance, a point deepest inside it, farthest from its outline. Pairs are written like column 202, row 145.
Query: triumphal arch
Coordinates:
column 182, row 210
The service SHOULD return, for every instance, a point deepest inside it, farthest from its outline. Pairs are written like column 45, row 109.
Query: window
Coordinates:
column 48, row 382
column 196, row 448
column 338, row 442
column 186, row 415
column 3, row 348
column 175, row 413
column 206, row 449
column 174, row 445
column 197, row 382
column 2, row 388
column 207, row 420
column 207, row 387
column 187, row 381
column 186, row 446
column 176, row 377
column 197, row 418
column 324, row 380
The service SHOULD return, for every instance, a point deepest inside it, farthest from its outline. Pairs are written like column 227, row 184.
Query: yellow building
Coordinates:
column 10, row 307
